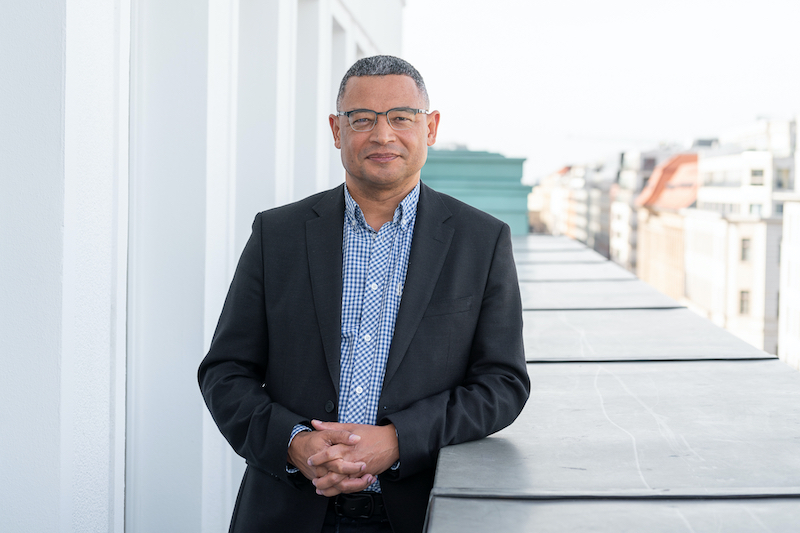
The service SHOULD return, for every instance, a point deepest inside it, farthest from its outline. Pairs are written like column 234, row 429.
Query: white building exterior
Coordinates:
column 733, row 238
column 635, row 170
column 139, row 138
column 732, row 273
column 789, row 319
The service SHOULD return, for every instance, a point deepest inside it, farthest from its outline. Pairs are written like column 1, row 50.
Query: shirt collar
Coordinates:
column 404, row 215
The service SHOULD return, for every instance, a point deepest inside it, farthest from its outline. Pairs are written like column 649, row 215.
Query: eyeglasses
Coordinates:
column 399, row 118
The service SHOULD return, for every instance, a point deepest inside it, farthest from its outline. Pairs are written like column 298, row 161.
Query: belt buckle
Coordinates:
column 348, row 505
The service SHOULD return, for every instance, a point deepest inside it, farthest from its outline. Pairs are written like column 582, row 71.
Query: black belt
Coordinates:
column 359, row 505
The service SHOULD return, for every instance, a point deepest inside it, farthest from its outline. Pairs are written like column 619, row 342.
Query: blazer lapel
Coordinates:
column 324, row 246
column 428, row 251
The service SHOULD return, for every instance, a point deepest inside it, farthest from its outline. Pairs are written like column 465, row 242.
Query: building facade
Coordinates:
column 789, row 301
column 671, row 188
column 140, row 138
column 732, row 273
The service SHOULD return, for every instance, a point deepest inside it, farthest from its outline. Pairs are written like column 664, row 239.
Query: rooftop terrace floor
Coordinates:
column 642, row 417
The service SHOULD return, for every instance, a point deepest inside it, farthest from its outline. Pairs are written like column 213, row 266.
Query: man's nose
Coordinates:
column 382, row 133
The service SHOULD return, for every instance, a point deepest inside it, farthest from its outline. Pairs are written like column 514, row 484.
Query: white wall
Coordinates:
column 63, row 212
column 113, row 272
column 789, row 318
column 31, row 218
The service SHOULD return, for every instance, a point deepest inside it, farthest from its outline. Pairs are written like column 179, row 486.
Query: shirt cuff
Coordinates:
column 297, row 429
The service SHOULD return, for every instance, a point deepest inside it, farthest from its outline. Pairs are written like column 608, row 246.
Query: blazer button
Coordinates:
column 329, row 406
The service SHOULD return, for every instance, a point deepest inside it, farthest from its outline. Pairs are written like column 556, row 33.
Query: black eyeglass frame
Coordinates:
column 348, row 113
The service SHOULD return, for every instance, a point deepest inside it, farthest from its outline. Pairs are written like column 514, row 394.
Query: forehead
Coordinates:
column 380, row 93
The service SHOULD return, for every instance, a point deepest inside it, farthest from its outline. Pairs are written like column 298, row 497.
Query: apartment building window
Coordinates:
column 779, row 208
column 757, row 176
column 744, row 302
column 745, row 250
column 755, row 209
column 783, row 178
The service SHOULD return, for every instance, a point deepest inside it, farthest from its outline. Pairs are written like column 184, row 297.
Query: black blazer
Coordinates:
column 455, row 372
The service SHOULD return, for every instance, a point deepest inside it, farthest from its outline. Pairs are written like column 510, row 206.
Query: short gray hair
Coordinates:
column 383, row 66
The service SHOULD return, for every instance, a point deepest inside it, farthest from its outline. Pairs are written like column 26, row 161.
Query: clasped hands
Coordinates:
column 343, row 458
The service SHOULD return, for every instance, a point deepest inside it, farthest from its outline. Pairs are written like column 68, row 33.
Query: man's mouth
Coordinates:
column 382, row 157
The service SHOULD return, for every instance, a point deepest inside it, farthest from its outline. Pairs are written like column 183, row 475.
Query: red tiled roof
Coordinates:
column 673, row 184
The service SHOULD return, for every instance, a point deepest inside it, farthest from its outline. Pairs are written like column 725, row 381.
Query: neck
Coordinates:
column 378, row 206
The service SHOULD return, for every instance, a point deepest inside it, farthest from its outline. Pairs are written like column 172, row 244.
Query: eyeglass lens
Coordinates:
column 399, row 119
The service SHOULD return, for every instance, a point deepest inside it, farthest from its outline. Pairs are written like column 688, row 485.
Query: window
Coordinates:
column 744, row 302
column 783, row 178
column 757, row 176
column 755, row 209
column 779, row 208
column 745, row 250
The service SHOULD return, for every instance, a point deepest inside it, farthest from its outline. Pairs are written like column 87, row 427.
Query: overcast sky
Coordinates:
column 572, row 81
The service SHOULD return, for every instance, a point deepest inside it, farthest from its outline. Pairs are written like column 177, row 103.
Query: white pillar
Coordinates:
column 31, row 215
column 63, row 233
column 222, row 468
column 265, row 108
column 312, row 140
column 94, row 265
column 166, row 267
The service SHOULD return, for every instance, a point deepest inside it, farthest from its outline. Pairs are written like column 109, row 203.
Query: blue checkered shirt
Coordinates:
column 374, row 266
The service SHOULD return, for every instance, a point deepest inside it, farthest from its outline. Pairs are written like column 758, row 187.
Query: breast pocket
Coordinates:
column 448, row 307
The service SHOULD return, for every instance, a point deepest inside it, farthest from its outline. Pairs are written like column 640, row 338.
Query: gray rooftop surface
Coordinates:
column 626, row 294
column 572, row 272
column 697, row 428
column 643, row 417
column 459, row 515
column 629, row 334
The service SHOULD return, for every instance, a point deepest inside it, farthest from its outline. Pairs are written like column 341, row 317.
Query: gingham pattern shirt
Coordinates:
column 374, row 267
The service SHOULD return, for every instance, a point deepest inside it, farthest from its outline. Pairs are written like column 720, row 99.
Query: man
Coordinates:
column 366, row 327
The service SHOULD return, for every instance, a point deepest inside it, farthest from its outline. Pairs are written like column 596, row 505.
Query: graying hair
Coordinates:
column 383, row 66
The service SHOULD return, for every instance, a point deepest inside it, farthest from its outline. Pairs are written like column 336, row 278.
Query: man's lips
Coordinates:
column 382, row 157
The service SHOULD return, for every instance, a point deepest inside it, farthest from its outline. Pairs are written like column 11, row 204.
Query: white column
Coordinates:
column 313, row 138
column 94, row 266
column 169, row 79
column 31, row 217
column 342, row 57
column 222, row 468
column 265, row 108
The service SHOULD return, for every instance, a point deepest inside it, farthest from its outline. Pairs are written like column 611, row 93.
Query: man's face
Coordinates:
column 383, row 160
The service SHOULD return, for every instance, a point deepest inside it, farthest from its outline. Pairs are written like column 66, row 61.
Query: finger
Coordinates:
column 331, row 479
column 340, row 466
column 340, row 436
column 347, row 485
column 355, row 484
column 331, row 453
column 319, row 425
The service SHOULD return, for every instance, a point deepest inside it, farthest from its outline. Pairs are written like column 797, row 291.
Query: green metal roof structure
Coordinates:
column 485, row 180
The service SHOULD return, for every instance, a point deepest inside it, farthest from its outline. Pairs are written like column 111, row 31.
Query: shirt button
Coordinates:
column 359, row 389
column 374, row 286
column 367, row 337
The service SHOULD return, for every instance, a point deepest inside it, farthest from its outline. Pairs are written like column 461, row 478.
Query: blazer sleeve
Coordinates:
column 496, row 385
column 232, row 375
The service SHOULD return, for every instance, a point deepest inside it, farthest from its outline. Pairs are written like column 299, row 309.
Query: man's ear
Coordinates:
column 433, row 126
column 337, row 133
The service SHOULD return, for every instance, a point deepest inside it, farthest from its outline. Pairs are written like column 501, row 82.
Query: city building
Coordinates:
column 574, row 201
column 733, row 237
column 139, row 139
column 491, row 182
column 789, row 300
column 634, row 172
column 671, row 188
